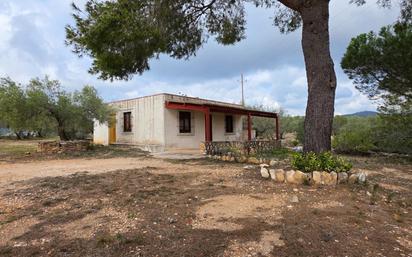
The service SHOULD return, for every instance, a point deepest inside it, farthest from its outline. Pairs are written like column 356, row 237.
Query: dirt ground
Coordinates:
column 143, row 206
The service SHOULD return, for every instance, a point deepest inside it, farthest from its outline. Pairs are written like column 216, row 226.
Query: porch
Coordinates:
column 214, row 147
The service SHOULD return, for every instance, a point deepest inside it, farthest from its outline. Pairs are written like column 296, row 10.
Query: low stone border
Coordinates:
column 297, row 177
column 63, row 146
column 244, row 159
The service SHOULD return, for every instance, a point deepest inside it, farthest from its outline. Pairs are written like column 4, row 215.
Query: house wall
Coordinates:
column 194, row 139
column 178, row 140
column 147, row 119
column 101, row 133
column 219, row 131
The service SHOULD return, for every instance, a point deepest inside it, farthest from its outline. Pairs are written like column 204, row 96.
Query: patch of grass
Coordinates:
column 104, row 239
column 137, row 239
column 10, row 220
column 16, row 148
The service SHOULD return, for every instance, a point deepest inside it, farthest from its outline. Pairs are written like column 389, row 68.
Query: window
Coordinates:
column 127, row 122
column 185, row 122
column 229, row 123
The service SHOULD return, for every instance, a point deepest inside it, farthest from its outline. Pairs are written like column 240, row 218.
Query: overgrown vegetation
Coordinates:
column 43, row 107
column 380, row 65
column 326, row 161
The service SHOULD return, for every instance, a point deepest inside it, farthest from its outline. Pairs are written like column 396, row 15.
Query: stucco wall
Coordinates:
column 101, row 133
column 193, row 140
column 147, row 119
column 219, row 132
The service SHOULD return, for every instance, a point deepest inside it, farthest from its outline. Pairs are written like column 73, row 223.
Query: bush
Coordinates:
column 357, row 136
column 308, row 162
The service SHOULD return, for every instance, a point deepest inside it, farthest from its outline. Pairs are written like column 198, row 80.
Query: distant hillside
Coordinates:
column 363, row 114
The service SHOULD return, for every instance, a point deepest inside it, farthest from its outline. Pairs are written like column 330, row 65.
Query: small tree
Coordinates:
column 14, row 111
column 381, row 67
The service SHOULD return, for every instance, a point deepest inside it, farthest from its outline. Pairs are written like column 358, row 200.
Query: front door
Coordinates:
column 112, row 129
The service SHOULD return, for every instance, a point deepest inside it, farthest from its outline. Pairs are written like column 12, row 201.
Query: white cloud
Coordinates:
column 33, row 45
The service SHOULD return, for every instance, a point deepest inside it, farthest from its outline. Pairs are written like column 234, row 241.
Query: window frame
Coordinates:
column 186, row 126
column 127, row 122
column 232, row 128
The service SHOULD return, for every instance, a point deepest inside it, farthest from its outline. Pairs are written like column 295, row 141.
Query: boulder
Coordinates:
column 272, row 174
column 273, row 162
column 290, row 176
column 264, row 172
column 300, row 177
column 326, row 178
column 253, row 160
column 232, row 159
column 342, row 177
column 316, row 178
column 362, row 178
column 334, row 177
column 353, row 179
column 280, row 175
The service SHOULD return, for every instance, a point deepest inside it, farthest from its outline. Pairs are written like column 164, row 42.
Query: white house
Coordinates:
column 164, row 121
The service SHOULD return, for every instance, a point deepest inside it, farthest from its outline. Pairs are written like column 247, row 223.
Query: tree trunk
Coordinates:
column 320, row 75
column 18, row 136
column 62, row 133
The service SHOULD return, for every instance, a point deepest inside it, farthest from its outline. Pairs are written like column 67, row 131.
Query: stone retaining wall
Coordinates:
column 63, row 146
column 240, row 148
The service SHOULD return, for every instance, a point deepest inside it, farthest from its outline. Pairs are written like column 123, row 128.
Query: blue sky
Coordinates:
column 32, row 45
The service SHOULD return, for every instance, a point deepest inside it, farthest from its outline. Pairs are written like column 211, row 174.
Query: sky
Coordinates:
column 32, row 45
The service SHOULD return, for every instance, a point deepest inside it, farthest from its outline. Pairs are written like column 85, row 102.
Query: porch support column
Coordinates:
column 277, row 127
column 208, row 134
column 249, row 127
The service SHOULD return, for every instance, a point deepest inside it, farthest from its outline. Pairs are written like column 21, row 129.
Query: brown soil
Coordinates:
column 149, row 207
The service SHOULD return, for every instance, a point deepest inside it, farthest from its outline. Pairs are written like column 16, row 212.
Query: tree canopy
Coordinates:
column 44, row 106
column 381, row 64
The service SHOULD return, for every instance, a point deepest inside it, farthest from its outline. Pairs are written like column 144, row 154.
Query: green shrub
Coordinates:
column 308, row 162
column 357, row 136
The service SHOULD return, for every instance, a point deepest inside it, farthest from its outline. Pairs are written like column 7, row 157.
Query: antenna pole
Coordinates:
column 243, row 96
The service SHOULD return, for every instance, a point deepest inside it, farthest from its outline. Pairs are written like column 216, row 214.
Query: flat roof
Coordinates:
column 194, row 100
column 182, row 98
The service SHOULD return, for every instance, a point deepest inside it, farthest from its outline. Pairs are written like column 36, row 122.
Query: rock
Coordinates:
column 334, row 177
column 241, row 159
column 272, row 174
column 298, row 149
column 264, row 172
column 362, row 178
column 273, row 162
column 248, row 167
column 232, row 159
column 326, row 178
column 316, row 178
column 253, row 160
column 342, row 177
column 290, row 176
column 300, row 177
column 264, row 165
column 294, row 199
column 280, row 175
column 171, row 220
column 353, row 179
